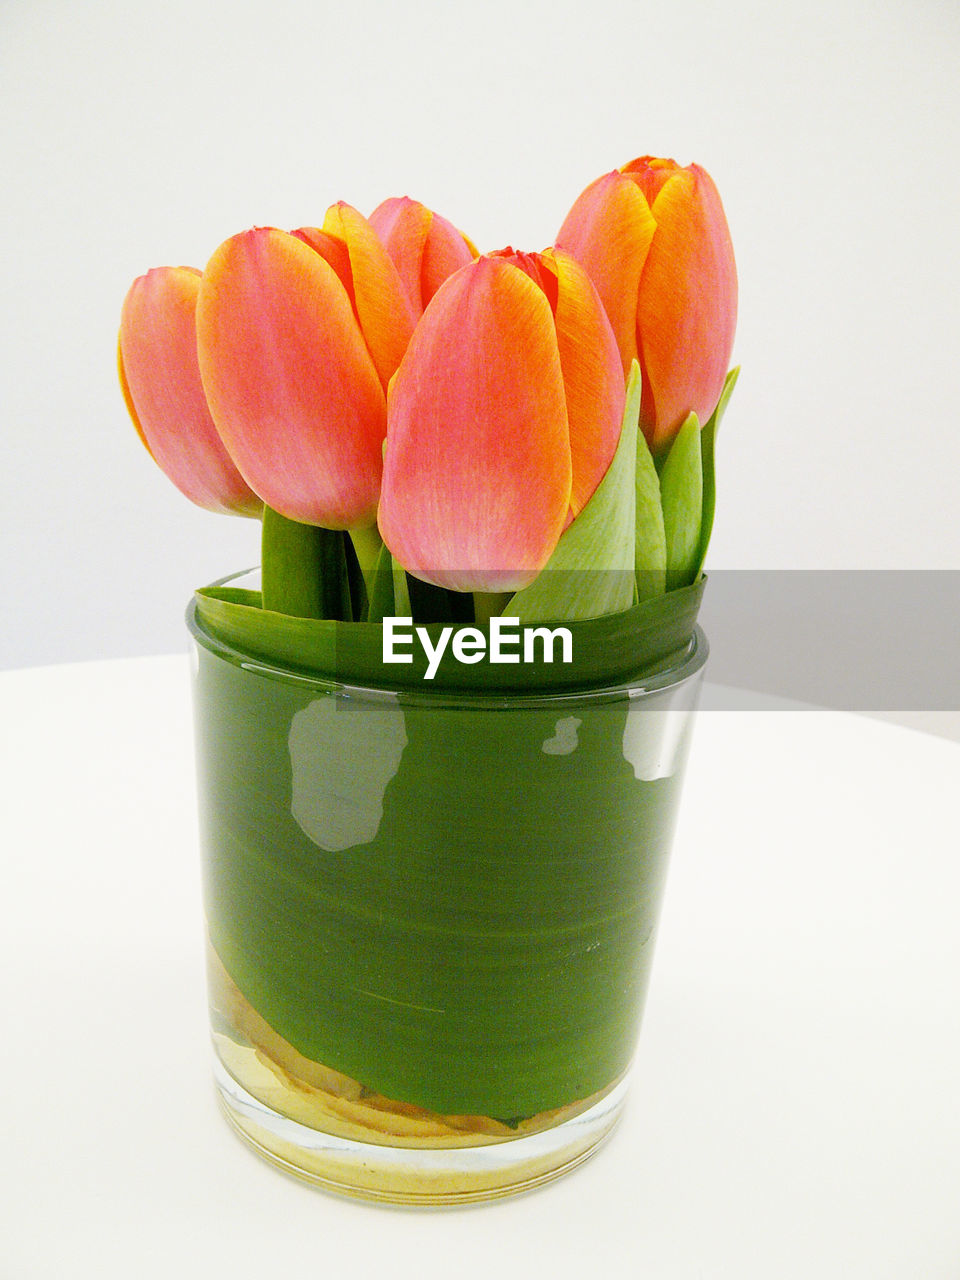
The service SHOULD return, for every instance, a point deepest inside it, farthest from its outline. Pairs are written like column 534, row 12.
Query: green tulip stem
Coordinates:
column 489, row 604
column 303, row 569
column 368, row 544
column 401, row 591
column 650, row 549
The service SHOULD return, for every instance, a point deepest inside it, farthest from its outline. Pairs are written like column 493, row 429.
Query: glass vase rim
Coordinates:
column 687, row 663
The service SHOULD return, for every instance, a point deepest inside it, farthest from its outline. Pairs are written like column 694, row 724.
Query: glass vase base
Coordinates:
column 417, row 1176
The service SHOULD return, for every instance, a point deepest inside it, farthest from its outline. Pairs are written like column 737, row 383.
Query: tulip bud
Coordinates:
column 425, row 248
column 502, row 420
column 160, row 379
column 654, row 239
column 298, row 336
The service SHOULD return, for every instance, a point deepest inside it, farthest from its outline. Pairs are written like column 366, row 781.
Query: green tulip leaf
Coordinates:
column 592, row 571
column 708, row 443
column 651, row 545
column 681, row 490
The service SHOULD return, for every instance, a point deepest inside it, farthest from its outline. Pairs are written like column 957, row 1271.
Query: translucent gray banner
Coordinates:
column 851, row 640
column 848, row 640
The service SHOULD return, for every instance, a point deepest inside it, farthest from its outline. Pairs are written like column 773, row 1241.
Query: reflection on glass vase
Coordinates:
column 431, row 916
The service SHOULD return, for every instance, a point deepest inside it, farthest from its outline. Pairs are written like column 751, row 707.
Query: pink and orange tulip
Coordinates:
column 298, row 335
column 161, row 385
column 503, row 418
column 653, row 237
column 425, row 248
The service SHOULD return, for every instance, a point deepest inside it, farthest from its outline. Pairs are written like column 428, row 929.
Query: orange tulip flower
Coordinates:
column 654, row 239
column 161, row 384
column 502, row 420
column 298, row 335
column 425, row 248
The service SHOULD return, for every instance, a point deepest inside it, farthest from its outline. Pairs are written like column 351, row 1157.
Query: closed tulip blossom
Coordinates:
column 298, row 335
column 503, row 418
column 425, row 248
column 161, row 384
column 653, row 237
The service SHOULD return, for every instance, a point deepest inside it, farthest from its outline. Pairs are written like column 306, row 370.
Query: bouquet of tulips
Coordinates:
column 430, row 918
column 433, row 432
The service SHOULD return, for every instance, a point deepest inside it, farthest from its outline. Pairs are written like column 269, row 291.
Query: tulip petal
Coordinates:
column 161, row 384
column 477, row 468
column 592, row 377
column 290, row 383
column 334, row 253
column 686, row 312
column 386, row 316
column 609, row 231
column 402, row 226
column 128, row 398
column 446, row 251
column 426, row 249
column 651, row 174
column 541, row 270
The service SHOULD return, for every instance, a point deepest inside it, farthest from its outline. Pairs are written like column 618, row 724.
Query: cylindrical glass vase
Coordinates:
column 431, row 916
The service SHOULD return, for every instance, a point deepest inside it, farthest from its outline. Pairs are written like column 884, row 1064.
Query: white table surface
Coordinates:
column 795, row 1109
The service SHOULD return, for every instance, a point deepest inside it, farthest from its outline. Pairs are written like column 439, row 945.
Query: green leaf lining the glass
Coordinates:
column 481, row 947
column 708, row 445
column 592, row 571
column 681, row 492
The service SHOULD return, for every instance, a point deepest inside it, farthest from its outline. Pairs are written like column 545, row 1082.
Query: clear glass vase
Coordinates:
column 431, row 916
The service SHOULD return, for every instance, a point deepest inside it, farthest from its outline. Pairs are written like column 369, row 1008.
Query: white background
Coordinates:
column 137, row 135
